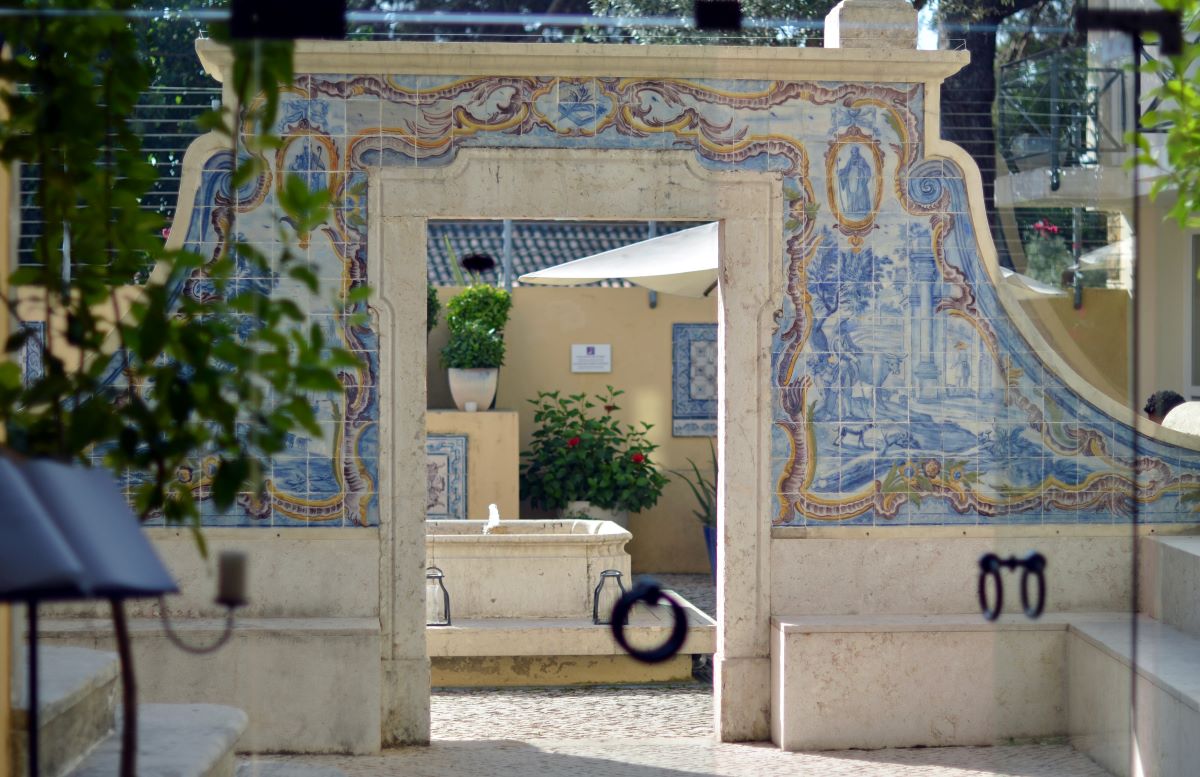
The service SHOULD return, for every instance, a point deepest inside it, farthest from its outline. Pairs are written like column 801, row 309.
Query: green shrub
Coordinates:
column 580, row 452
column 481, row 303
column 703, row 489
column 473, row 346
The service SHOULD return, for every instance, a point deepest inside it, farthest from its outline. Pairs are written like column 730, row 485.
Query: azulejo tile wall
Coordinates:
column 901, row 393
column 694, row 380
column 30, row 354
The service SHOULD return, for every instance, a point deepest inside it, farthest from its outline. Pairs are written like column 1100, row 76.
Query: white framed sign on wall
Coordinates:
column 595, row 357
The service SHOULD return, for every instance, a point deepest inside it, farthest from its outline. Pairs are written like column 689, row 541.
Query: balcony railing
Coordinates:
column 1049, row 112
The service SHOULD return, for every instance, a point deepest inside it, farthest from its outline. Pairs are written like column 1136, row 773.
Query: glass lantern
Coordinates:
column 608, row 591
column 437, row 598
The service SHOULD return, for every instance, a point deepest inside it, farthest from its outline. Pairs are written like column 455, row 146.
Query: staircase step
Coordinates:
column 77, row 690
column 258, row 768
column 1172, row 565
column 174, row 740
column 1168, row 696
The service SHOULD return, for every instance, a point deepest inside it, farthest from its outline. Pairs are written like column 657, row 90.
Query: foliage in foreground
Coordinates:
column 206, row 374
column 1179, row 112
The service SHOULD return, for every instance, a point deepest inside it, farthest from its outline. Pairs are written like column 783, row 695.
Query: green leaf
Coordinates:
column 10, row 376
column 232, row 474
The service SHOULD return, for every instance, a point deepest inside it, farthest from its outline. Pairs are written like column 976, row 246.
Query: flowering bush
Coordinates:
column 580, row 452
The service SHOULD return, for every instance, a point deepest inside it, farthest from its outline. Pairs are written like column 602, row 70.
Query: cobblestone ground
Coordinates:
column 643, row 731
column 697, row 589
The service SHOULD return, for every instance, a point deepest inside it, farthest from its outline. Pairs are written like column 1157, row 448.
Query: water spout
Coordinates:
column 493, row 519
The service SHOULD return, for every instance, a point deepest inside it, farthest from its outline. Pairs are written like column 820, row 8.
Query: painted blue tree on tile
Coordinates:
column 901, row 391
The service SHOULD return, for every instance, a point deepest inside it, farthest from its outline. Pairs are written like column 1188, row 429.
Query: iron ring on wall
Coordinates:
column 1033, row 566
column 989, row 566
column 650, row 593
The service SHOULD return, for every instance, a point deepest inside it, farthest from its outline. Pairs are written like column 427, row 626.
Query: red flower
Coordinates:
column 571, row 443
column 1044, row 227
column 638, row 458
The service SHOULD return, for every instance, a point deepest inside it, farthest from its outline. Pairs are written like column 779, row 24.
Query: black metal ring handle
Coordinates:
column 649, row 592
column 1034, row 566
column 989, row 566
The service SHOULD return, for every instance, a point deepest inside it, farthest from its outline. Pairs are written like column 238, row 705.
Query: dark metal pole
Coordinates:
column 1135, row 388
column 1055, row 175
column 1168, row 25
column 31, row 714
column 128, row 691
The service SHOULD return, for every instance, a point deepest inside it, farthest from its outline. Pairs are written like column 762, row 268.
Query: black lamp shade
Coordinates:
column 35, row 559
column 84, row 541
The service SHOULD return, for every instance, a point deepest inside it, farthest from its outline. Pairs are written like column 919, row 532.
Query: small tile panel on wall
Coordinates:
column 694, row 380
column 446, row 476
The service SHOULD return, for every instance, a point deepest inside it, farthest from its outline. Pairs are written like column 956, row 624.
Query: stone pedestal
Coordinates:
column 871, row 24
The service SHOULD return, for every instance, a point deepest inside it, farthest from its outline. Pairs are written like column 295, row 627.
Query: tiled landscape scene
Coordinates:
column 901, row 391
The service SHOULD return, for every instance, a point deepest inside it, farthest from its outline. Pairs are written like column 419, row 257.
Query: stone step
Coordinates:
column 566, row 636
column 174, row 740
column 336, row 709
column 77, row 691
column 1170, row 570
column 259, row 768
column 562, row 651
column 1168, row 696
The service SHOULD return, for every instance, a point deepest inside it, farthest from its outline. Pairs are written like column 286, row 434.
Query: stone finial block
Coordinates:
column 861, row 24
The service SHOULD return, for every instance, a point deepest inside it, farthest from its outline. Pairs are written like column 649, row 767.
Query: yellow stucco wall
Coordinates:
column 1094, row 340
column 31, row 307
column 545, row 322
column 492, row 457
column 1165, row 254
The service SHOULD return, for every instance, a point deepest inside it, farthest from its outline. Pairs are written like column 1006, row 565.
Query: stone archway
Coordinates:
column 603, row 185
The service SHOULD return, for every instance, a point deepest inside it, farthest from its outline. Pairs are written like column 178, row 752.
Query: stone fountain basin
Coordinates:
column 525, row 568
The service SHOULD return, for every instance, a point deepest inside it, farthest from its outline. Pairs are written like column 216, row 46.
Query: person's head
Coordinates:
column 1160, row 403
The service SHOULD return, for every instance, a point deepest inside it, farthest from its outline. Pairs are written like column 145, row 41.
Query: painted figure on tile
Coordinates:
column 436, row 487
column 310, row 164
column 964, row 364
column 854, row 180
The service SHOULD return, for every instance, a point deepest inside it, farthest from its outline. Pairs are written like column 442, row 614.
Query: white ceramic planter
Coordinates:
column 477, row 385
column 586, row 509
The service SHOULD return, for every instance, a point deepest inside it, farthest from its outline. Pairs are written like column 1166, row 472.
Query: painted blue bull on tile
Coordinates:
column 901, row 392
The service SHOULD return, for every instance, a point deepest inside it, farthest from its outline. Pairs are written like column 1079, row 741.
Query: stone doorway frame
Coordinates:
column 584, row 184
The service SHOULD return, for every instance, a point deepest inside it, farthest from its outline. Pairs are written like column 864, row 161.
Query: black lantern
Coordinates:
column 437, row 598
column 608, row 592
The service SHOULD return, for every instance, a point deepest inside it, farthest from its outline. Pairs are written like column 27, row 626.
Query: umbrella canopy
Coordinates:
column 1110, row 256
column 1029, row 288
column 683, row 263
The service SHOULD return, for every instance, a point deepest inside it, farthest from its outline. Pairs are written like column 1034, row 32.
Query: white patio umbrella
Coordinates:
column 683, row 263
column 1027, row 287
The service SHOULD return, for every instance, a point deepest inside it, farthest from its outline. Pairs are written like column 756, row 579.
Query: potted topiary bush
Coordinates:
column 475, row 351
column 582, row 461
